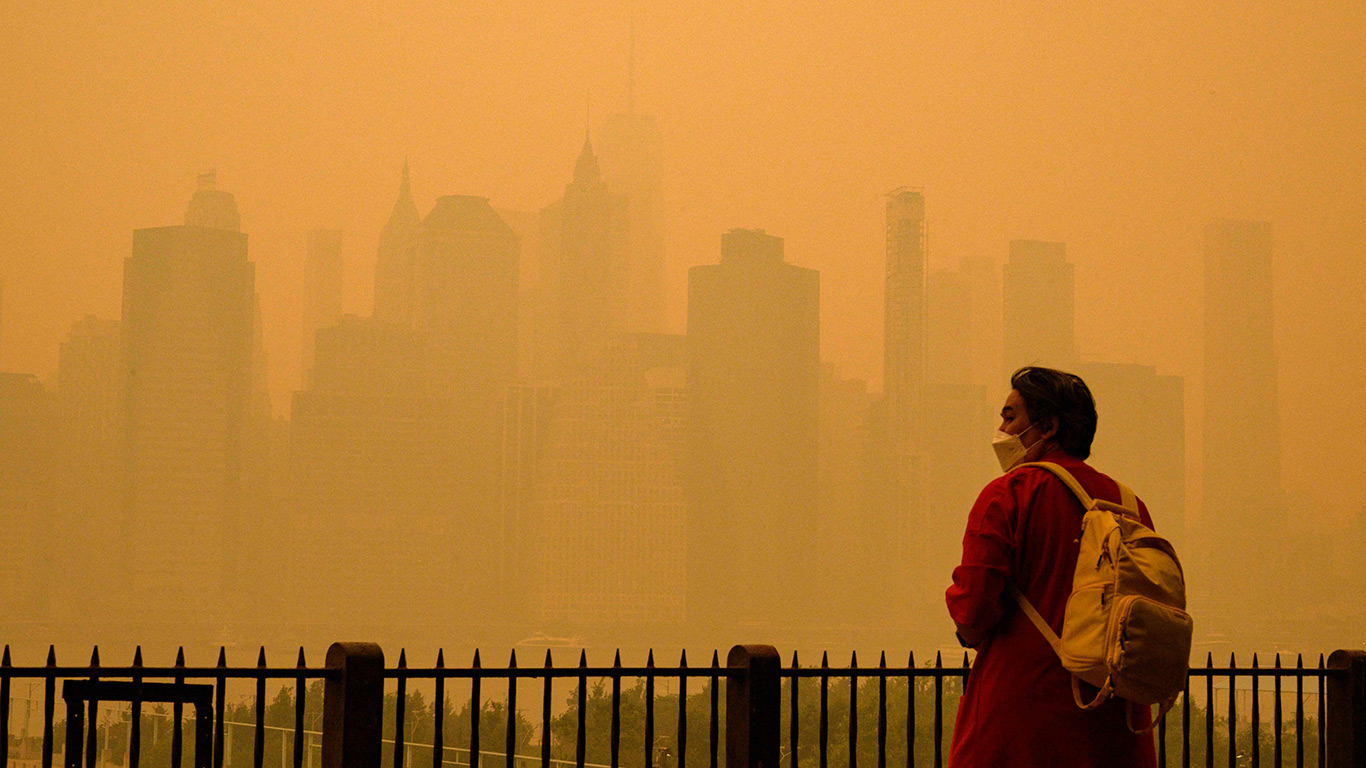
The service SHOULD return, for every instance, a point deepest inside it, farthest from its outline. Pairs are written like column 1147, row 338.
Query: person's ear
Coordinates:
column 1050, row 429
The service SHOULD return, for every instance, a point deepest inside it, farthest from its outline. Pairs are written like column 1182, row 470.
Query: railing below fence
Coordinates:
column 360, row 714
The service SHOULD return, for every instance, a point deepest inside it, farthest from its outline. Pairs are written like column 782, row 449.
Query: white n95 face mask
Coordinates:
column 1010, row 449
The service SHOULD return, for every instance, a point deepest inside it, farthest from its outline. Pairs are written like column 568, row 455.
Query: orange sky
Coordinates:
column 1119, row 128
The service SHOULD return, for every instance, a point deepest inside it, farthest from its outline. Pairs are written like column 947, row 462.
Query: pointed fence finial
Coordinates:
column 402, row 658
column 95, row 656
column 512, row 659
column 137, row 656
column 180, row 656
column 52, row 655
column 441, row 658
column 301, row 663
column 261, row 657
column 222, row 656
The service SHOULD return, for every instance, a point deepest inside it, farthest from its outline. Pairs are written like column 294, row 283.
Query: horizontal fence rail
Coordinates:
column 618, row 716
column 78, row 752
column 580, row 718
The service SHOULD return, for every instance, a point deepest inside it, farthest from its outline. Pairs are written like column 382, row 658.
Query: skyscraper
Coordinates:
column 611, row 483
column 90, row 483
column 957, row 422
column 1243, row 497
column 322, row 288
column 585, row 276
column 28, row 454
column 188, row 328
column 1141, row 438
column 904, row 318
column 464, row 307
column 896, row 450
column 753, row 386
column 464, row 295
column 394, row 262
column 630, row 150
column 373, row 457
column 1038, row 306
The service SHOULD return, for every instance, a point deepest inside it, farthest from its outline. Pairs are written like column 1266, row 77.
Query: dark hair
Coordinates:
column 1050, row 394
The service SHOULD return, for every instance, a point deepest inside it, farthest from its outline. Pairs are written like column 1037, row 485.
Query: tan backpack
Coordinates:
column 1125, row 629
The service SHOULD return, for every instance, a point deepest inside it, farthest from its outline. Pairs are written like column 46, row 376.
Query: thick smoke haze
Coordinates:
column 1119, row 130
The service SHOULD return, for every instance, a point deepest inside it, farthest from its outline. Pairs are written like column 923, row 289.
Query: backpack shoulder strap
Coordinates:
column 1068, row 480
column 1127, row 499
column 1033, row 614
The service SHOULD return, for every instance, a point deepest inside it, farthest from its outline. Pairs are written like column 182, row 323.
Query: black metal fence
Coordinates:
column 515, row 716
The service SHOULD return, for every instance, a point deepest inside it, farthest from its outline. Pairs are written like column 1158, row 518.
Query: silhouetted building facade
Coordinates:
column 903, row 372
column 585, row 273
column 89, row 486
column 375, row 492
column 322, row 288
column 896, row 429
column 465, row 294
column 28, row 455
column 611, row 484
column 394, row 261
column 188, row 345
column 465, row 309
column 630, row 151
column 848, row 528
column 753, row 386
column 953, row 431
column 1141, row 438
column 1037, row 307
column 1243, row 498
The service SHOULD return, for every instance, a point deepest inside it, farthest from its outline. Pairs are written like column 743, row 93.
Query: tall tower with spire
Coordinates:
column 586, row 278
column 630, row 149
column 394, row 264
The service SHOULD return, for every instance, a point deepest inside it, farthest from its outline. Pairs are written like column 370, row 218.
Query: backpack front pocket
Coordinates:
column 1150, row 649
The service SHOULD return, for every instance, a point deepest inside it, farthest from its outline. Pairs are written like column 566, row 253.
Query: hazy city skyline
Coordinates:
column 1120, row 133
column 1100, row 141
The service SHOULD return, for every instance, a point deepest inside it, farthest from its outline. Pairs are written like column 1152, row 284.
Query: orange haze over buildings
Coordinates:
column 1118, row 130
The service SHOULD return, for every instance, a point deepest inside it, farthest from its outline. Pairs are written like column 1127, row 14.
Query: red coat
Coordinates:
column 1017, row 709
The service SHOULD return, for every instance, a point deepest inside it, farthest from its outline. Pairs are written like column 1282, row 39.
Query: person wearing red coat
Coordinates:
column 1017, row 707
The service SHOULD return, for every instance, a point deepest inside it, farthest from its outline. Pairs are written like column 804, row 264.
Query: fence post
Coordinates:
column 753, row 693
column 1346, row 709
column 353, row 704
